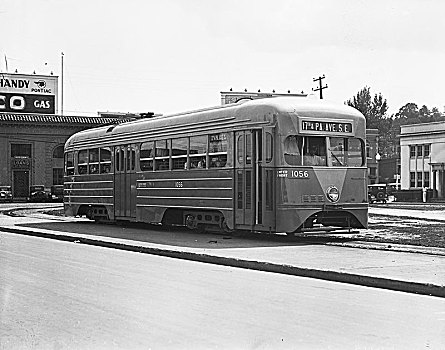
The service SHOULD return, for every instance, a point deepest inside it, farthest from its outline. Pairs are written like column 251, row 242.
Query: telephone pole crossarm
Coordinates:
column 320, row 87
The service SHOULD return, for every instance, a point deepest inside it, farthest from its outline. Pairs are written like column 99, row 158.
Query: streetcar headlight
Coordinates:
column 333, row 193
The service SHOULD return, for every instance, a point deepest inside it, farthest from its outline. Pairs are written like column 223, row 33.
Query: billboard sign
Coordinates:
column 20, row 93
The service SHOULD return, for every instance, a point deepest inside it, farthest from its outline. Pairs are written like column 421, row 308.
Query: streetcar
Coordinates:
column 276, row 165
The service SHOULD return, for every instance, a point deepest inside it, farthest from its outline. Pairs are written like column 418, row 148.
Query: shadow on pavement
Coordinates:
column 181, row 237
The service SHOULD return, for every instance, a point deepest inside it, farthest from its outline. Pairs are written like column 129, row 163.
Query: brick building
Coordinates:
column 32, row 147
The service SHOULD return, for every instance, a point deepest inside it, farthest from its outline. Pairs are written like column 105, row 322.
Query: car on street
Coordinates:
column 39, row 194
column 57, row 193
column 377, row 193
column 5, row 194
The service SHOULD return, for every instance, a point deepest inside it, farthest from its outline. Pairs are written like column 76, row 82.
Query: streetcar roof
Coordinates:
column 300, row 106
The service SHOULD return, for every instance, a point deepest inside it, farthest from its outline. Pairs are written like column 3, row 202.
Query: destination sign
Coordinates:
column 323, row 126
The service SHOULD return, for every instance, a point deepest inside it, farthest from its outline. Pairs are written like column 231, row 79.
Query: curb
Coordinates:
column 333, row 276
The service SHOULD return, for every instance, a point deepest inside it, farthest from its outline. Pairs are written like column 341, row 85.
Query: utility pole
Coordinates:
column 320, row 88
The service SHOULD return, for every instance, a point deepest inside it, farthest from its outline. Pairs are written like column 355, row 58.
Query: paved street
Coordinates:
column 67, row 295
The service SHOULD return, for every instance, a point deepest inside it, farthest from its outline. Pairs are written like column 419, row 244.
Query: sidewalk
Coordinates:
column 413, row 272
column 424, row 211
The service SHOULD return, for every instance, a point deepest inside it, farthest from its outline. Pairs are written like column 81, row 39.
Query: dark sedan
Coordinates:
column 5, row 194
column 39, row 194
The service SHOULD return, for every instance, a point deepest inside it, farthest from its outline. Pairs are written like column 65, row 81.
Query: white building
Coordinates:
column 422, row 157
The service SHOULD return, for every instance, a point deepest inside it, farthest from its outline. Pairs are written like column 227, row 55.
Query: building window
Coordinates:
column 58, row 152
column 419, row 179
column 426, row 150
column 426, row 179
column 20, row 150
column 412, row 179
column 412, row 151
column 57, row 176
column 419, row 151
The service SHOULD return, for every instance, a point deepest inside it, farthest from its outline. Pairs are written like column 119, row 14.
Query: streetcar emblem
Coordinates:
column 333, row 193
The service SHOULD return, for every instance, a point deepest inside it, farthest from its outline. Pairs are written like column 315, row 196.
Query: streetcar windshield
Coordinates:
column 346, row 152
column 323, row 151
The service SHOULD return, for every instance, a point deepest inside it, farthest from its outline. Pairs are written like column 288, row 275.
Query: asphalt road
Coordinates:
column 59, row 295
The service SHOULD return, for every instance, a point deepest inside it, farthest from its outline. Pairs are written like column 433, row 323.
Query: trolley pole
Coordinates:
column 320, row 87
column 61, row 95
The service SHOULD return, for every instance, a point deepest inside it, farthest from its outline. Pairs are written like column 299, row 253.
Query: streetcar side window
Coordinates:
column 117, row 160
column 179, row 153
column 293, row 149
column 120, row 159
column 93, row 161
column 162, row 154
column 146, row 156
column 240, row 149
column 269, row 147
column 218, row 145
column 198, row 152
column 105, row 160
column 355, row 152
column 69, row 163
column 131, row 158
column 82, row 162
column 186, row 153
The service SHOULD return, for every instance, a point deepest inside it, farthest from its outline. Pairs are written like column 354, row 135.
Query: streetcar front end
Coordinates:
column 322, row 175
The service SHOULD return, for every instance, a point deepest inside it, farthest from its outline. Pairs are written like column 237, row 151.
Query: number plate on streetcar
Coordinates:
column 293, row 174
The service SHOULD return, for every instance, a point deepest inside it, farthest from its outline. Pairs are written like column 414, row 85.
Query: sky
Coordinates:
column 168, row 56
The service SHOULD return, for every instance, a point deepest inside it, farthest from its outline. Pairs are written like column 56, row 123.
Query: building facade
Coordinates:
column 422, row 157
column 32, row 148
column 372, row 157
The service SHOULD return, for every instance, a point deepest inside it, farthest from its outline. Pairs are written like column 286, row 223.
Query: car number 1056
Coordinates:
column 299, row 174
column 293, row 174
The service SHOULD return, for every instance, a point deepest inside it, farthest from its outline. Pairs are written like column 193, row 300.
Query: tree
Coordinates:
column 374, row 110
column 409, row 114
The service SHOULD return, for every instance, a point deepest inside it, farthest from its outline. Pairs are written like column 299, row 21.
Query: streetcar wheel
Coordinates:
column 224, row 226
column 190, row 222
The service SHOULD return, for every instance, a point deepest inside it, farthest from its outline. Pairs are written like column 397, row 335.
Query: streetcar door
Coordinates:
column 125, row 181
column 248, row 188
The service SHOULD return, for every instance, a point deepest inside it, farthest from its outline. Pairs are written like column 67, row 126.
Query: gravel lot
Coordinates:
column 405, row 230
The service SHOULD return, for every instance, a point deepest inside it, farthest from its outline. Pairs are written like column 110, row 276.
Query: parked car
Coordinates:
column 57, row 193
column 5, row 194
column 377, row 193
column 39, row 194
